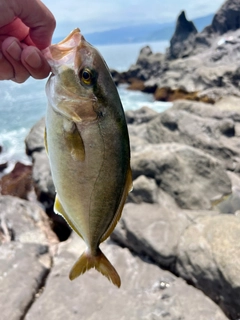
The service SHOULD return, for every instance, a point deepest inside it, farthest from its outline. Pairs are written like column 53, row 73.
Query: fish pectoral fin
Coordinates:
column 99, row 262
column 75, row 144
column 58, row 208
column 128, row 187
column 45, row 139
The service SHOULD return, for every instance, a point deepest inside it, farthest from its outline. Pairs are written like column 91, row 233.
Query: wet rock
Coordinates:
column 136, row 84
column 168, row 94
column 18, row 182
column 147, row 292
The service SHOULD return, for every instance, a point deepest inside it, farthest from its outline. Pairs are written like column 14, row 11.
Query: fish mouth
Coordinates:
column 63, row 52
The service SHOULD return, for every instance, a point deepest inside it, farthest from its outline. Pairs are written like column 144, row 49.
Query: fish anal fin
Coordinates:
column 45, row 139
column 58, row 208
column 99, row 262
column 128, row 187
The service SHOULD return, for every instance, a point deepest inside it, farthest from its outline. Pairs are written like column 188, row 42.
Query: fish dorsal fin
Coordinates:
column 128, row 187
column 58, row 208
column 45, row 139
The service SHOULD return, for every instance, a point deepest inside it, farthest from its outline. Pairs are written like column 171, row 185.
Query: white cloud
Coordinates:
column 99, row 15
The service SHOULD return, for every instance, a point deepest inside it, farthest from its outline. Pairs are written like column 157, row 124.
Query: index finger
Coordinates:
column 38, row 18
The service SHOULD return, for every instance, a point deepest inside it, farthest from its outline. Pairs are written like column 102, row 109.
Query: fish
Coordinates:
column 87, row 142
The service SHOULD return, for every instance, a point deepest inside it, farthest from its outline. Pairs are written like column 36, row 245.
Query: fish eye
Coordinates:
column 87, row 76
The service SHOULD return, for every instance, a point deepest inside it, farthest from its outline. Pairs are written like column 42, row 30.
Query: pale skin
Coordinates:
column 26, row 27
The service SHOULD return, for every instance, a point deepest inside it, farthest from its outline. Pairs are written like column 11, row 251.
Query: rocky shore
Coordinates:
column 176, row 246
column 197, row 66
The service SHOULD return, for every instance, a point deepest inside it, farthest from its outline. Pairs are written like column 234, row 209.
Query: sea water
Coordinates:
column 22, row 105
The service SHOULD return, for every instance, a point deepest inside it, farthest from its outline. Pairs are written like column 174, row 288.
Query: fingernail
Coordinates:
column 34, row 60
column 14, row 50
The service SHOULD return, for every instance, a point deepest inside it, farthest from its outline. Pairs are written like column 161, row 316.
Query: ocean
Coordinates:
column 22, row 105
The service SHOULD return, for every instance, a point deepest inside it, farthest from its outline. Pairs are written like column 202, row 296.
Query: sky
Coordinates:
column 99, row 15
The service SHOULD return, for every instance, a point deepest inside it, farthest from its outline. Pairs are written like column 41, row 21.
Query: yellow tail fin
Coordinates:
column 99, row 262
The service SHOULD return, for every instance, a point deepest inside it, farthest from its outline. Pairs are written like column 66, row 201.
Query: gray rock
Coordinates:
column 231, row 204
column 204, row 65
column 147, row 292
column 193, row 178
column 24, row 222
column 182, row 40
column 23, row 269
column 227, row 18
column 144, row 190
column 141, row 115
column 213, row 130
column 35, row 139
column 155, row 230
column 208, row 257
column 42, row 179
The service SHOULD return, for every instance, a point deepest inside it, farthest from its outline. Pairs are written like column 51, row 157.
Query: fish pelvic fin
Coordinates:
column 58, row 209
column 99, row 262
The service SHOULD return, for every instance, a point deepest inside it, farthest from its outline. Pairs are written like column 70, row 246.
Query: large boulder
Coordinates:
column 193, row 178
column 200, row 246
column 155, row 230
column 35, row 139
column 22, row 274
column 27, row 244
column 42, row 178
column 209, row 257
column 147, row 292
column 25, row 222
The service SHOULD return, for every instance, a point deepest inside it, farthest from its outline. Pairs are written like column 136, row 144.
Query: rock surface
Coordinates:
column 197, row 245
column 21, row 276
column 26, row 247
column 208, row 256
column 185, row 164
column 147, row 292
column 197, row 66
column 193, row 178
column 184, row 34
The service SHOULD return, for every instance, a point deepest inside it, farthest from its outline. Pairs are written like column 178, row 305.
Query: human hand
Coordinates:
column 26, row 27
